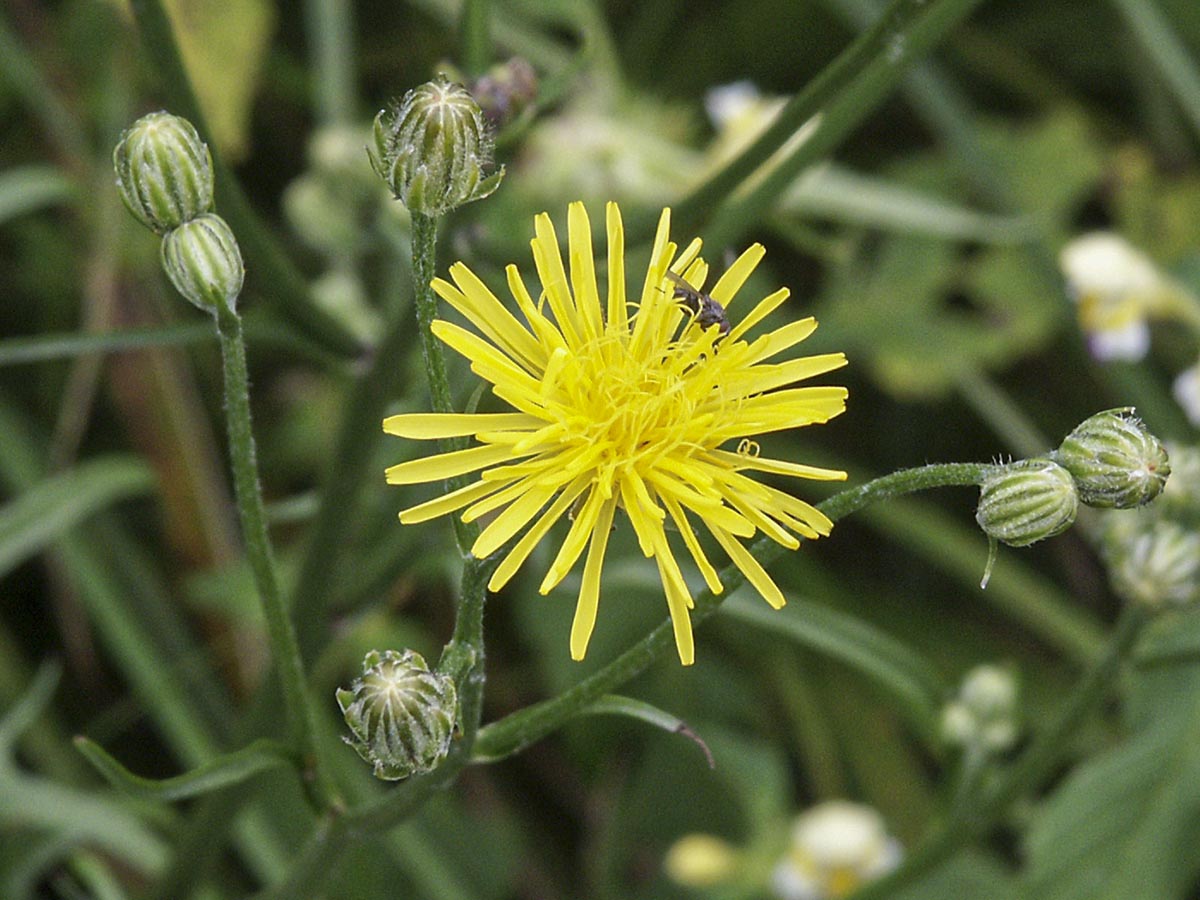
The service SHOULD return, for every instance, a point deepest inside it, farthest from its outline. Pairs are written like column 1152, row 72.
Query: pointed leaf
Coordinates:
column 615, row 705
column 231, row 768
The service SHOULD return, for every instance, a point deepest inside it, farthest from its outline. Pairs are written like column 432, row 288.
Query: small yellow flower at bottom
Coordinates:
column 623, row 404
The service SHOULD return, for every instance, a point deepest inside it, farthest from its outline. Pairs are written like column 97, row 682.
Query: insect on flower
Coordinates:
column 704, row 309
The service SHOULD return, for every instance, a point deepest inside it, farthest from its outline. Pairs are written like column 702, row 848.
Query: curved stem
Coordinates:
column 524, row 727
column 285, row 650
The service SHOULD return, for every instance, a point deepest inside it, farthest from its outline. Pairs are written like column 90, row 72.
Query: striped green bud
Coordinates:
column 1115, row 461
column 400, row 714
column 164, row 171
column 1026, row 501
column 202, row 259
column 433, row 147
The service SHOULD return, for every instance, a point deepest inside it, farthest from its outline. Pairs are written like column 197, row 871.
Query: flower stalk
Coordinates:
column 285, row 650
column 518, row 730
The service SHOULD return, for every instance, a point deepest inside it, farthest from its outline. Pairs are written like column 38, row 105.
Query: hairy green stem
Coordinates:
column 463, row 656
column 522, row 728
column 285, row 649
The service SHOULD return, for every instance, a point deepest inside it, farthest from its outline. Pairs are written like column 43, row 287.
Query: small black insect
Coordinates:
column 704, row 308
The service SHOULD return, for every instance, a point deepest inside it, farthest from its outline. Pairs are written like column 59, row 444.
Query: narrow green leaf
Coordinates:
column 1168, row 53
column 228, row 769
column 899, row 671
column 616, row 705
column 843, row 195
column 259, row 331
column 45, row 511
column 23, row 713
column 28, row 188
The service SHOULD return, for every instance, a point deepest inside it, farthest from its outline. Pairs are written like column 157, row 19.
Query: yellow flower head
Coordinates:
column 619, row 404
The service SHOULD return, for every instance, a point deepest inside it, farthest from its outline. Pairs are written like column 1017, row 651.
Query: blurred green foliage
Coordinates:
column 926, row 244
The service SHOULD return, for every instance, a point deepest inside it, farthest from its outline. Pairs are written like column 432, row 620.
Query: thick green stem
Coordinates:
column 524, row 727
column 285, row 650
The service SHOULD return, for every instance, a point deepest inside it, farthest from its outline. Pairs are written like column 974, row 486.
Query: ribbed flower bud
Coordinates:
column 432, row 149
column 401, row 714
column 1026, row 501
column 164, row 171
column 202, row 259
column 1158, row 567
column 1115, row 460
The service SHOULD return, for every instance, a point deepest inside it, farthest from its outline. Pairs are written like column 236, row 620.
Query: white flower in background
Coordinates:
column 835, row 849
column 984, row 714
column 1116, row 288
column 1187, row 393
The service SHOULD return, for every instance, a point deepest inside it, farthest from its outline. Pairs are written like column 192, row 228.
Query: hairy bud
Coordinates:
column 202, row 259
column 1026, row 501
column 164, row 171
column 433, row 148
column 401, row 715
column 1115, row 461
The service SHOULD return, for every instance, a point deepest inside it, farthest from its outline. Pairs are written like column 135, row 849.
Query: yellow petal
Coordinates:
column 750, row 567
column 583, row 271
column 488, row 314
column 548, row 261
column 530, row 539
column 589, row 593
column 739, row 461
column 447, row 465
column 735, row 276
column 439, row 506
column 617, row 314
column 515, row 517
column 429, row 426
column 689, row 539
column 573, row 544
column 763, row 309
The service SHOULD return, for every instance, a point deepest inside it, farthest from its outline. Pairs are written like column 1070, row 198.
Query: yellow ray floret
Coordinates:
column 623, row 405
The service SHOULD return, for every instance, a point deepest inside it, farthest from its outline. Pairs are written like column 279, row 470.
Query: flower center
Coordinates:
column 629, row 409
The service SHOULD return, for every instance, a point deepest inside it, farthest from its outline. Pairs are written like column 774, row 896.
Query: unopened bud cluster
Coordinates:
column 1153, row 553
column 983, row 715
column 433, row 148
column 401, row 715
column 165, row 176
column 1111, row 461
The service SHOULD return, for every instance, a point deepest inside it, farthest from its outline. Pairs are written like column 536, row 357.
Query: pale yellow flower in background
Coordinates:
column 622, row 405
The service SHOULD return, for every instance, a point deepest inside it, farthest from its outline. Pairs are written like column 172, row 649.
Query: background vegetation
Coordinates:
column 960, row 150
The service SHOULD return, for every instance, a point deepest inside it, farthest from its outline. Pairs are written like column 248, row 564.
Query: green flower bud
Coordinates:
column 1158, row 567
column 1026, row 501
column 1115, row 460
column 202, row 259
column 432, row 149
column 401, row 714
column 164, row 171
